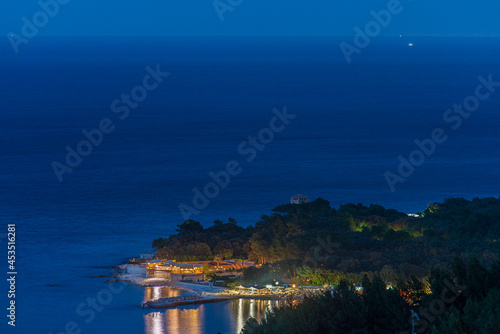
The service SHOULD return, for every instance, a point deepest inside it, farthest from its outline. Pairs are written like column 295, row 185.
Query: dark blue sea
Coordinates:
column 352, row 123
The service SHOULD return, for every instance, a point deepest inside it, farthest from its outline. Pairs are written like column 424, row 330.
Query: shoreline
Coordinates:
column 164, row 303
column 161, row 303
column 201, row 294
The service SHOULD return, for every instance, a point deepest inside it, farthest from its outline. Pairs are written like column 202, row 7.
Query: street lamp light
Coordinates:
column 414, row 317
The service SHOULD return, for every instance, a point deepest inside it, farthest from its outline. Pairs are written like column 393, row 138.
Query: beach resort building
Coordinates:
column 226, row 267
column 299, row 199
column 174, row 271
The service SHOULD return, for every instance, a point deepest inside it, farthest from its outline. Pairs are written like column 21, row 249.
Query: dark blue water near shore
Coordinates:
column 353, row 121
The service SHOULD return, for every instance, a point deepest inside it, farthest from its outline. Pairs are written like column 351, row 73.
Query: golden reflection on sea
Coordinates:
column 243, row 309
column 227, row 316
column 175, row 321
column 157, row 292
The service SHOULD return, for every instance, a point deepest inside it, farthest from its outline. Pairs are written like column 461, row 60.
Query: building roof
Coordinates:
column 188, row 265
column 167, row 263
column 181, row 265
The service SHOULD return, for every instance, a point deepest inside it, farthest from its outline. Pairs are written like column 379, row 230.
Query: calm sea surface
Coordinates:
column 353, row 121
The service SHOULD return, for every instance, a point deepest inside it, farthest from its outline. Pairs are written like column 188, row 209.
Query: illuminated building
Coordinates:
column 175, row 271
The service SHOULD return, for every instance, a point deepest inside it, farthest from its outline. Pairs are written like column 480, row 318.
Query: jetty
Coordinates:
column 181, row 301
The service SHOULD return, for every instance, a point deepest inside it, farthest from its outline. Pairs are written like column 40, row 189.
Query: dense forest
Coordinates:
column 442, row 263
column 461, row 300
column 320, row 244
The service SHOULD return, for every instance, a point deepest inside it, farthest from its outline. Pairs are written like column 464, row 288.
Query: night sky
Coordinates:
column 253, row 17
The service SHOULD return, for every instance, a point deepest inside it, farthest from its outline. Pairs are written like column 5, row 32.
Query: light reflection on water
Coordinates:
column 227, row 317
column 157, row 292
column 175, row 321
